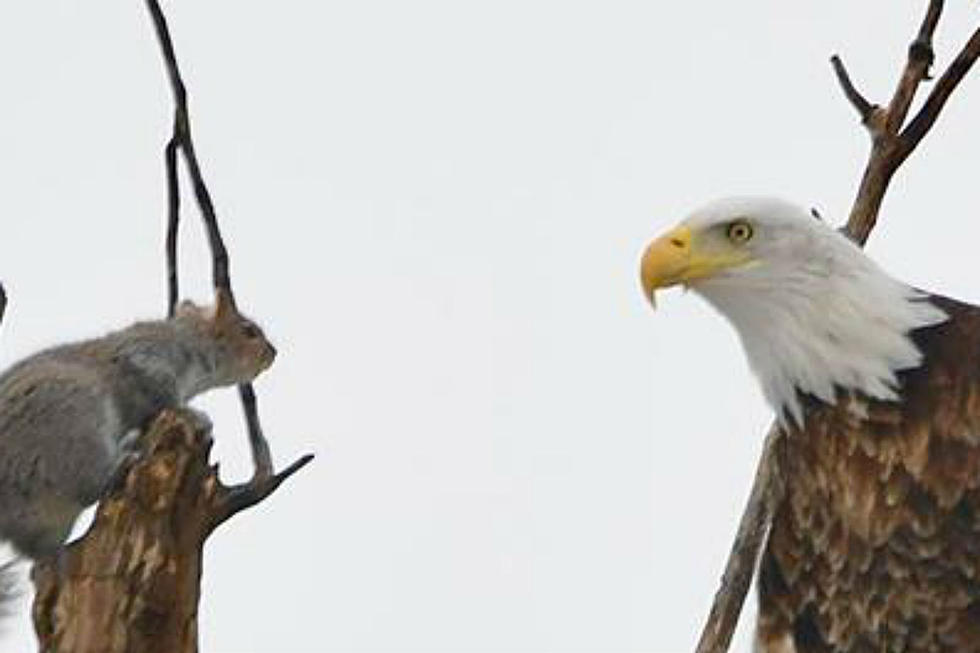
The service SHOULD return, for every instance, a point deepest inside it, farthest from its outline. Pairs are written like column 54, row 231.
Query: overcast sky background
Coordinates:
column 436, row 209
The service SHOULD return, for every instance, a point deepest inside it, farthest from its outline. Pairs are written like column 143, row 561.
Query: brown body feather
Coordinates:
column 877, row 545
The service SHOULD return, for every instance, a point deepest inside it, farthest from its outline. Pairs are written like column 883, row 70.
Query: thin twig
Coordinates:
column 219, row 255
column 917, row 64
column 173, row 221
column 919, row 125
column 766, row 493
column 890, row 147
column 261, row 457
column 236, row 498
column 929, row 23
column 182, row 133
column 263, row 480
column 864, row 108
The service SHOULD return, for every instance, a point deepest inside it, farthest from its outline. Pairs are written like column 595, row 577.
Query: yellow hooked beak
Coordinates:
column 675, row 258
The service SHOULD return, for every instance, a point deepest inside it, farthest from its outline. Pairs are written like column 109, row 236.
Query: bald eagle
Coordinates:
column 876, row 386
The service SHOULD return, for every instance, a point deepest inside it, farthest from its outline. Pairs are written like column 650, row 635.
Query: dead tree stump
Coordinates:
column 131, row 585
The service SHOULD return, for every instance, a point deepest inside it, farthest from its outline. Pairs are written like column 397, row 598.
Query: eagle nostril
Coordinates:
column 678, row 243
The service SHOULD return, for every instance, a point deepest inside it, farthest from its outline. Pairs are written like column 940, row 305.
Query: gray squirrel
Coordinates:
column 70, row 416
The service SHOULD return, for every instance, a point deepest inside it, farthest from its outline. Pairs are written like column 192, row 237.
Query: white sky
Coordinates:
column 436, row 209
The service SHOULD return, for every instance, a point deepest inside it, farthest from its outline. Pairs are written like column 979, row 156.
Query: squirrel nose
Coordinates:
column 272, row 353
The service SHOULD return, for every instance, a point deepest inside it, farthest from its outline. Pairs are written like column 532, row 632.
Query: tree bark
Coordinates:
column 131, row 585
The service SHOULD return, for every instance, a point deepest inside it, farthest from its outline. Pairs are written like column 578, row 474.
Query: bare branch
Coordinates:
column 889, row 150
column 261, row 458
column 767, row 490
column 878, row 172
column 236, row 498
column 173, row 221
column 864, row 108
column 916, row 69
column 183, row 140
column 264, row 481
column 219, row 255
column 929, row 22
column 182, row 134
column 919, row 126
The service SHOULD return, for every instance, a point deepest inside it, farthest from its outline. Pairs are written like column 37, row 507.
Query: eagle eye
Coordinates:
column 739, row 231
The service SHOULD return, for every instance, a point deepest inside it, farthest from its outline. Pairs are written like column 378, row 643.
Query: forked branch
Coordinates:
column 183, row 140
column 264, row 479
column 893, row 138
column 890, row 146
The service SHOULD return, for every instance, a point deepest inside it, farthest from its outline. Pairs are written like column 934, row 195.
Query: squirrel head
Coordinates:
column 240, row 349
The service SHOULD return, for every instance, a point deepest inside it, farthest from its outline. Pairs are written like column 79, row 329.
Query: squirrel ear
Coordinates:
column 187, row 308
column 224, row 305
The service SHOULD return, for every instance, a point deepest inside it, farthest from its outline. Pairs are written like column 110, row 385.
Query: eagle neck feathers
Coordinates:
column 817, row 327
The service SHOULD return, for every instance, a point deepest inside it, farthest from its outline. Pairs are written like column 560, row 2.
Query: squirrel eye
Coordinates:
column 250, row 331
column 739, row 231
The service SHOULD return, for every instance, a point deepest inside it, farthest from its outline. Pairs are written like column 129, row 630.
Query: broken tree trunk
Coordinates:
column 132, row 583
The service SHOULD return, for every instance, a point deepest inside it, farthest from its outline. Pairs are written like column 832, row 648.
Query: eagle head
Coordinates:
column 814, row 313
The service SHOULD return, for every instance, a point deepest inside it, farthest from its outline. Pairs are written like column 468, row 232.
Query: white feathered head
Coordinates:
column 815, row 314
